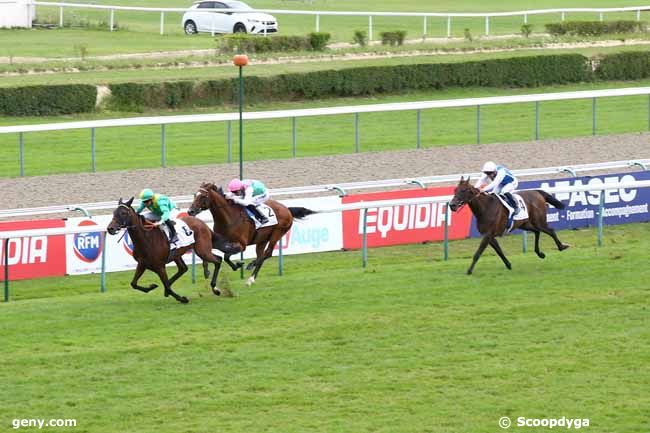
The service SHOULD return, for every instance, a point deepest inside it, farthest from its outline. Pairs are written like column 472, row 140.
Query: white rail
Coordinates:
column 369, row 14
column 351, row 206
column 343, row 188
column 328, row 111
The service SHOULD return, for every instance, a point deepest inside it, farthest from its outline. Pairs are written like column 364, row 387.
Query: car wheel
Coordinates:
column 239, row 28
column 190, row 28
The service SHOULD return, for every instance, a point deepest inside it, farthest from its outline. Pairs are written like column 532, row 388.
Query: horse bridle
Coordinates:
column 478, row 193
column 207, row 192
column 122, row 224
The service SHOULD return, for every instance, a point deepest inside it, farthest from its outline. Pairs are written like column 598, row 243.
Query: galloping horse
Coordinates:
column 232, row 222
column 492, row 217
column 151, row 248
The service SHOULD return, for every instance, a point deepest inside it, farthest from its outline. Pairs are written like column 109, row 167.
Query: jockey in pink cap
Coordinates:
column 249, row 193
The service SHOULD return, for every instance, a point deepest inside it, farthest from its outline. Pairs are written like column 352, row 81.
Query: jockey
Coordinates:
column 160, row 209
column 249, row 193
column 502, row 182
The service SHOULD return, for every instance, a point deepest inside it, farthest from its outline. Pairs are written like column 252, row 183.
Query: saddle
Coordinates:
column 521, row 215
column 267, row 211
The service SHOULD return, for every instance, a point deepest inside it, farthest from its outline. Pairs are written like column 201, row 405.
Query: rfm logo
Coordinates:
column 88, row 246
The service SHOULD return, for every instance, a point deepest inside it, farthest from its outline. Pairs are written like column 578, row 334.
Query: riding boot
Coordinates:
column 172, row 231
column 258, row 215
column 513, row 202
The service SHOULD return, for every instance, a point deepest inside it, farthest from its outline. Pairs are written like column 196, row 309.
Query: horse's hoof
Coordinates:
column 206, row 275
column 509, row 266
column 564, row 247
column 184, row 300
column 153, row 286
column 216, row 291
column 469, row 272
column 250, row 281
column 167, row 293
column 541, row 255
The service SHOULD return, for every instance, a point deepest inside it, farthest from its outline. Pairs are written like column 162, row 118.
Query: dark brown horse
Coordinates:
column 492, row 217
column 151, row 248
column 232, row 222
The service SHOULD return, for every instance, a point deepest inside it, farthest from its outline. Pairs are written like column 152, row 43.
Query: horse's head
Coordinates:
column 463, row 194
column 122, row 217
column 201, row 200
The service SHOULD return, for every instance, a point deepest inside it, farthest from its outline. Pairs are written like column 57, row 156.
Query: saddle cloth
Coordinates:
column 523, row 210
column 268, row 212
column 185, row 235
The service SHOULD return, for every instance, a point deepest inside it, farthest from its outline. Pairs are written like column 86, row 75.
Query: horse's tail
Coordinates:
column 551, row 200
column 301, row 212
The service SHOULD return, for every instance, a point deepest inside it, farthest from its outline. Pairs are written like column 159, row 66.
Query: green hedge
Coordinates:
column 514, row 72
column 633, row 65
column 595, row 28
column 47, row 100
column 245, row 43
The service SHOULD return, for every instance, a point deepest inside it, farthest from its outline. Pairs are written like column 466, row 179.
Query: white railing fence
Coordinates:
column 5, row 237
column 343, row 188
column 162, row 121
column 562, row 12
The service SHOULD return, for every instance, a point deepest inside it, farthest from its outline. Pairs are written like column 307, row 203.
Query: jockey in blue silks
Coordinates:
column 498, row 179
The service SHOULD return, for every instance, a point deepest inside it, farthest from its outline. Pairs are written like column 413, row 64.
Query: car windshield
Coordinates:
column 238, row 5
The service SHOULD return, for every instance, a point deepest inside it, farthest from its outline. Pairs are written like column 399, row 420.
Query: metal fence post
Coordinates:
column 102, row 277
column 638, row 14
column 445, row 244
column 293, row 136
column 364, row 246
column 593, row 113
column 601, row 211
column 536, row 120
column 424, row 28
column 92, row 149
column 317, row 23
column 112, row 19
column 280, row 259
column 487, row 25
column 562, row 16
column 230, row 141
column 162, row 23
column 193, row 266
column 61, row 16
column 449, row 26
column 419, row 128
column 21, row 151
column 163, row 144
column 478, row 124
column 370, row 28
column 6, row 263
column 524, row 241
column 356, row 132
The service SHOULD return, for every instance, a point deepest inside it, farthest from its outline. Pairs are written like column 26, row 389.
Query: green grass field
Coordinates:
column 139, row 31
column 410, row 344
column 194, row 144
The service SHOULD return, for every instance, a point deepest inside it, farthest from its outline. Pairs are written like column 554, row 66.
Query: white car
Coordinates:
column 204, row 16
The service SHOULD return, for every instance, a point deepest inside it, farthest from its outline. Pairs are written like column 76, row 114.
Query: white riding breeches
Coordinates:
column 150, row 216
column 506, row 188
column 259, row 199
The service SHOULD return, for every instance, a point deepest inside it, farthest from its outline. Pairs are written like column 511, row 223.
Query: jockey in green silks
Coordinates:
column 160, row 209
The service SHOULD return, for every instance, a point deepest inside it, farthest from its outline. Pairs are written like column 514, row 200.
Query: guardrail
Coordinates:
column 162, row 121
column 6, row 236
column 424, row 15
column 343, row 188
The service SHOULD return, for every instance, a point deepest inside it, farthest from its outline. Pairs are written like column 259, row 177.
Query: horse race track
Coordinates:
column 410, row 344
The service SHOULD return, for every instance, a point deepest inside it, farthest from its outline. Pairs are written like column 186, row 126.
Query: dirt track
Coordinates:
column 106, row 186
